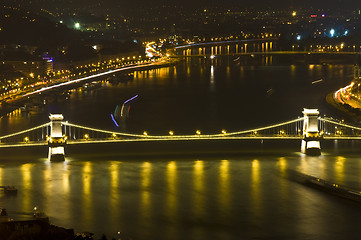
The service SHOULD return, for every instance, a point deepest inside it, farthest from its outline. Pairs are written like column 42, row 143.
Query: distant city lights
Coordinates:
column 77, row 25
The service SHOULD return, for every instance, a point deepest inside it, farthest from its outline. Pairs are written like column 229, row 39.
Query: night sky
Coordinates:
column 268, row 4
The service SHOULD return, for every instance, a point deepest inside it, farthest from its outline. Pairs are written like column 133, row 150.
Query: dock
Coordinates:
column 329, row 187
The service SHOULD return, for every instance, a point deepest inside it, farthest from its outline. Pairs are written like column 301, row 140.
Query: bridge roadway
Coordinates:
column 272, row 132
column 226, row 42
column 145, row 139
column 97, row 75
column 271, row 53
column 19, row 99
column 151, row 139
column 310, row 130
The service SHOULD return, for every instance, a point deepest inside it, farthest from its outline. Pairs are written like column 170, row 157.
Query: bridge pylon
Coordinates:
column 56, row 140
column 311, row 135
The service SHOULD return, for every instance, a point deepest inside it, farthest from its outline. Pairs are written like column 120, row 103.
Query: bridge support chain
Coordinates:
column 311, row 136
column 56, row 140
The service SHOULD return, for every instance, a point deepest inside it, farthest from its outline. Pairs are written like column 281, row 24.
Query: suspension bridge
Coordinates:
column 310, row 129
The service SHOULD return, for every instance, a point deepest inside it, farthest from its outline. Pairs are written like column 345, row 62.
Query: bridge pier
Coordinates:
column 311, row 137
column 56, row 140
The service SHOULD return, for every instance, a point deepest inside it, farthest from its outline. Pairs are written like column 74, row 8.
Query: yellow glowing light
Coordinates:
column 294, row 13
column 224, row 131
column 198, row 132
column 171, row 133
column 145, row 133
column 26, row 139
column 86, row 136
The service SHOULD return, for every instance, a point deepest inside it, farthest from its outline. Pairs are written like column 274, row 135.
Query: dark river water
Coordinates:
column 244, row 196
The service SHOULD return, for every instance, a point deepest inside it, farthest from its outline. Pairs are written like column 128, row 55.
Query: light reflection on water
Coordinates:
column 27, row 185
column 87, row 194
column 243, row 197
column 256, row 190
column 339, row 169
column 171, row 178
column 198, row 184
column 145, row 198
column 1, row 176
column 184, row 198
column 224, row 189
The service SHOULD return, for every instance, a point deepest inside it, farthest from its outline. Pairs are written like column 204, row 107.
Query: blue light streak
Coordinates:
column 116, row 124
column 130, row 99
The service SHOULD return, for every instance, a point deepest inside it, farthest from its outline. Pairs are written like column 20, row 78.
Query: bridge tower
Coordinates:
column 311, row 136
column 56, row 140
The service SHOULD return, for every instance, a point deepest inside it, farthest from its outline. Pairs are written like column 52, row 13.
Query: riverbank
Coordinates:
column 344, row 108
column 326, row 186
column 34, row 229
column 19, row 101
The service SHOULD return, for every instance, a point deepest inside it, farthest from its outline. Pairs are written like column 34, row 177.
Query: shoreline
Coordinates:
column 72, row 84
column 343, row 108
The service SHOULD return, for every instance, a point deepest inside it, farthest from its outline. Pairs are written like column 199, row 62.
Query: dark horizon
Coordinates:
column 188, row 4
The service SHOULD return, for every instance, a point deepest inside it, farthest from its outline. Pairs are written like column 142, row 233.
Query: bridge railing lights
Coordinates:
column 224, row 131
column 198, row 132
column 114, row 135
column 145, row 133
column 171, row 133
column 26, row 139
column 86, row 136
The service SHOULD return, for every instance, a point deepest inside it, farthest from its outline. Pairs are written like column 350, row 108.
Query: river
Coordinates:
column 242, row 196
